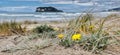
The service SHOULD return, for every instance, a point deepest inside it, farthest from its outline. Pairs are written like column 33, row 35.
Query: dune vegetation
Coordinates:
column 86, row 32
column 11, row 28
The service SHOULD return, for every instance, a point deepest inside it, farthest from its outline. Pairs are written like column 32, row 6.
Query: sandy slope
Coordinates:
column 20, row 45
column 23, row 47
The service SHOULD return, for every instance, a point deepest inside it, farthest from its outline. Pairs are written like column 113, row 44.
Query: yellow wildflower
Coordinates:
column 76, row 37
column 91, row 27
column 60, row 36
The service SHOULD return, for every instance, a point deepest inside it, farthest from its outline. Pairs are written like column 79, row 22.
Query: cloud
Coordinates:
column 78, row 3
column 87, row 4
column 16, row 8
column 61, row 2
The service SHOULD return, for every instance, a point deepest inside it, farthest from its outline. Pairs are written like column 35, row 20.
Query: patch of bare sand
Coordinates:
column 54, row 49
column 9, row 47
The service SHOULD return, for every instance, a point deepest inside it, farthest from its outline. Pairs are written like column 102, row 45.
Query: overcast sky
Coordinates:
column 65, row 5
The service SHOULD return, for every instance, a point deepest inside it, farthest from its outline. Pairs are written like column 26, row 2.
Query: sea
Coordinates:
column 46, row 16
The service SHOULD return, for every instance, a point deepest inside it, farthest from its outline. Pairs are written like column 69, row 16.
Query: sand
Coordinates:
column 21, row 45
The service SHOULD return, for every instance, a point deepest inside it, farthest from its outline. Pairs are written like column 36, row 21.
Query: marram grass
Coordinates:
column 10, row 28
column 94, row 37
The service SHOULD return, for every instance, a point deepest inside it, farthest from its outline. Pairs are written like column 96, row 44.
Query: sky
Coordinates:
column 65, row 5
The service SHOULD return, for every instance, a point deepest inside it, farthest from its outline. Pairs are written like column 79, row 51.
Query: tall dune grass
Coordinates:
column 92, row 36
column 11, row 28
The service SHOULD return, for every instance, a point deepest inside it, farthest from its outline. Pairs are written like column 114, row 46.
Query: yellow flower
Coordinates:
column 60, row 36
column 91, row 27
column 76, row 37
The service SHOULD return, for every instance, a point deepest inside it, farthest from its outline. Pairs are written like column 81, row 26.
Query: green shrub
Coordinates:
column 42, row 29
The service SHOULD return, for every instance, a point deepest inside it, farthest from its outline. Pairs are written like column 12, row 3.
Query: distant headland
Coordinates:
column 112, row 10
column 115, row 9
column 47, row 9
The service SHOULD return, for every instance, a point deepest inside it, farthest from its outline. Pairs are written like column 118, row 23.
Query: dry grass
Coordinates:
column 95, row 37
column 11, row 28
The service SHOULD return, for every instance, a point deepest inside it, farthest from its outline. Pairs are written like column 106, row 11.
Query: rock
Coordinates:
column 47, row 9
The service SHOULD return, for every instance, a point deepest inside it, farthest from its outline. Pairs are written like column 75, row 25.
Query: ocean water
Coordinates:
column 46, row 16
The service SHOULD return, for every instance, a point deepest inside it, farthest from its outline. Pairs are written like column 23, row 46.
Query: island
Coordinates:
column 115, row 9
column 47, row 9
